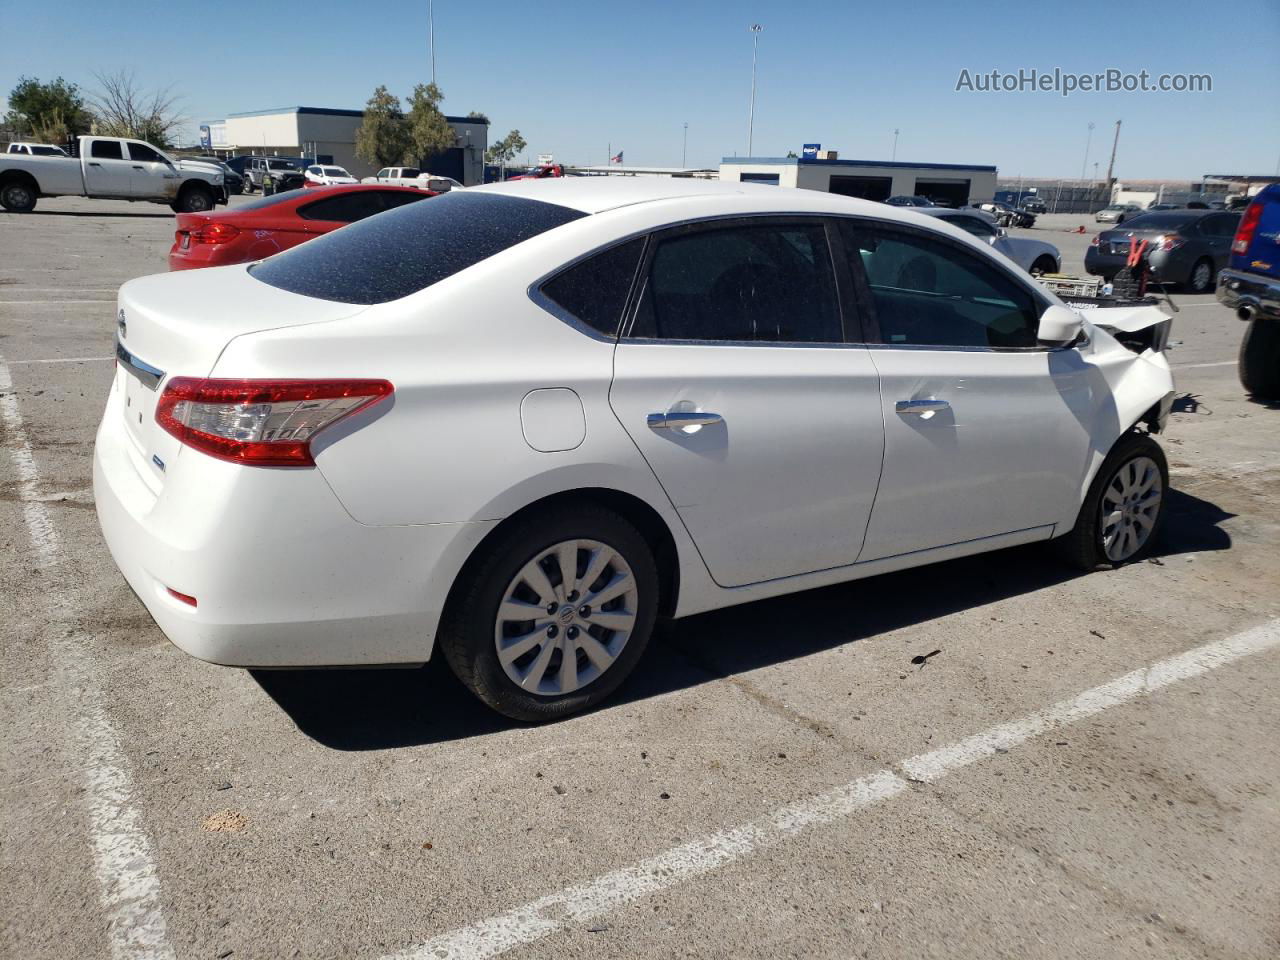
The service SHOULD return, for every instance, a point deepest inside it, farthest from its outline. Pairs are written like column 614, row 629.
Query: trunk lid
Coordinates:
column 178, row 324
column 1263, row 253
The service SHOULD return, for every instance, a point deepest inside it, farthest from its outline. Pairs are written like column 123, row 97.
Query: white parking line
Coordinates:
column 128, row 885
column 1217, row 363
column 15, row 363
column 45, row 303
column 591, row 900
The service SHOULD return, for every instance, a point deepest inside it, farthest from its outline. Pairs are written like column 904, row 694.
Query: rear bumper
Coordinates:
column 1237, row 290
column 281, row 574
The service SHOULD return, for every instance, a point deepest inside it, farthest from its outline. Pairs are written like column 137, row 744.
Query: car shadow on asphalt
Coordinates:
column 384, row 709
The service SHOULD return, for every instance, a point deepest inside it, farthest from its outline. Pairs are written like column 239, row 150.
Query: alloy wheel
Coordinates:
column 565, row 617
column 1130, row 506
column 1200, row 276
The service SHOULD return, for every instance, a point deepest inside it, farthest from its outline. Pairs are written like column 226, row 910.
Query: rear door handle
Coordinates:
column 93, row 164
column 922, row 407
column 137, row 166
column 674, row 421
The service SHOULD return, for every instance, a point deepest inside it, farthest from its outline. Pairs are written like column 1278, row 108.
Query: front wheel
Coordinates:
column 195, row 200
column 1042, row 266
column 1124, row 510
column 1260, row 359
column 554, row 614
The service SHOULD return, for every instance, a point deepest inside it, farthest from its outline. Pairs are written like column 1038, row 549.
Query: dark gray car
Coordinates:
column 1186, row 247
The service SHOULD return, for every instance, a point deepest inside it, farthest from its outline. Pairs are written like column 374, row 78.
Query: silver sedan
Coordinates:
column 1034, row 256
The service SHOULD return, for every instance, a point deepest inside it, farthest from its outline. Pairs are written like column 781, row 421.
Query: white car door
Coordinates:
column 107, row 170
column 986, row 433
column 735, row 381
column 148, row 171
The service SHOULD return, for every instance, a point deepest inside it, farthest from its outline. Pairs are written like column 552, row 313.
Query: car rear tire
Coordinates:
column 18, row 196
column 1260, row 359
column 1123, row 512
column 194, row 199
column 1200, row 280
column 537, row 643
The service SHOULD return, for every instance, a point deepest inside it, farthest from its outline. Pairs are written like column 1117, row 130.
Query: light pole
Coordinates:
column 895, row 146
column 431, row 36
column 755, row 29
column 1084, row 167
column 684, row 148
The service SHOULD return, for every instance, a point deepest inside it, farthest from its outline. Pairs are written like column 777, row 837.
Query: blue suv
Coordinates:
column 1250, row 285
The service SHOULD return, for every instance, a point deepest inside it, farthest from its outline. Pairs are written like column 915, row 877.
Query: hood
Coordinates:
column 199, row 166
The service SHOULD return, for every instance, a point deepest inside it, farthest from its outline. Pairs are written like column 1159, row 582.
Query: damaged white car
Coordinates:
column 613, row 400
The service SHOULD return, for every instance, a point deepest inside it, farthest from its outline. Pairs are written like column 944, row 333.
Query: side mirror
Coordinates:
column 1059, row 327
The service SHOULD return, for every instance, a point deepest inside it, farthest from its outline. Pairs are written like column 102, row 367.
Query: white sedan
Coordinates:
column 523, row 421
column 326, row 175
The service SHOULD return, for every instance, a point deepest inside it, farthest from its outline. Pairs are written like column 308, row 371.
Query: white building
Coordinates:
column 954, row 183
column 330, row 136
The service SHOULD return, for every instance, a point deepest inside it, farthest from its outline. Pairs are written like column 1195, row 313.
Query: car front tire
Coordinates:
column 554, row 613
column 1123, row 512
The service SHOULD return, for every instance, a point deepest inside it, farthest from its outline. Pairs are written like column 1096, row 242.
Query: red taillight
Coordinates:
column 1248, row 226
column 1170, row 243
column 185, row 598
column 266, row 423
column 214, row 233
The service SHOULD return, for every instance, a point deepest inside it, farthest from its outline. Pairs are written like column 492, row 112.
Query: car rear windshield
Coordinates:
column 402, row 251
column 1171, row 219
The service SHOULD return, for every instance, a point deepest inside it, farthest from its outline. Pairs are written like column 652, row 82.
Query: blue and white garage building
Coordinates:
column 954, row 184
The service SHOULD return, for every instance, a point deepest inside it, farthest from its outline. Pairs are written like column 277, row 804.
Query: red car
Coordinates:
column 256, row 230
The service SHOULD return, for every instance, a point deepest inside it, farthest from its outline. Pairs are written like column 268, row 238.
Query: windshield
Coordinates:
column 270, row 201
column 402, row 251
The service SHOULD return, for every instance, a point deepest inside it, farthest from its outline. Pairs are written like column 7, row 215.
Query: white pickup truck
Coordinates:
column 412, row 177
column 110, row 168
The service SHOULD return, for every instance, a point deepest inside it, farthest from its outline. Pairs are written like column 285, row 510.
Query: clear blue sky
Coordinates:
column 576, row 77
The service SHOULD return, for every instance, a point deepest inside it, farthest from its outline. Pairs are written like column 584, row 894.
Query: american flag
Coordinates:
column 617, row 158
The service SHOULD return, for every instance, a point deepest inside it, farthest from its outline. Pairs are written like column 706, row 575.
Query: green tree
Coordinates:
column 383, row 135
column 52, row 112
column 429, row 132
column 478, row 116
column 505, row 150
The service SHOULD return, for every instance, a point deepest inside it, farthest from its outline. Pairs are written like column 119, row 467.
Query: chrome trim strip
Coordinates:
column 147, row 375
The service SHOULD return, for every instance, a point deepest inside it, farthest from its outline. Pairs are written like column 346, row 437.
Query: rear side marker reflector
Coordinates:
column 181, row 596
column 265, row 423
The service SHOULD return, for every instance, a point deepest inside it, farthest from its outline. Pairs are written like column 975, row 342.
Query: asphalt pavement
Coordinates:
column 992, row 757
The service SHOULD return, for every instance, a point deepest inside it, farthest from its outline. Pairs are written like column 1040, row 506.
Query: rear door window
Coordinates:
column 411, row 248
column 106, row 150
column 758, row 280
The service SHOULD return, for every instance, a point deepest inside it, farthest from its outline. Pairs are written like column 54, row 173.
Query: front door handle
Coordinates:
column 93, row 164
column 676, row 420
column 138, row 166
column 924, row 408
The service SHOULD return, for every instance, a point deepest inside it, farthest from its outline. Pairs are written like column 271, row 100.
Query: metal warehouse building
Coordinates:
column 330, row 135
column 954, row 183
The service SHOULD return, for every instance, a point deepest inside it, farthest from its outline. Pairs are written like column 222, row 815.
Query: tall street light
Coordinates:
column 684, row 148
column 895, row 146
column 1084, row 167
column 431, row 36
column 755, row 29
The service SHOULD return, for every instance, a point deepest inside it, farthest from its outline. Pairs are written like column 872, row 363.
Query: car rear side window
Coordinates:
column 761, row 281
column 106, row 150
column 594, row 291
column 388, row 257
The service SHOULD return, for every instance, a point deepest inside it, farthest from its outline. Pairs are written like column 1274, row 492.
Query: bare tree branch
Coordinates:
column 125, row 110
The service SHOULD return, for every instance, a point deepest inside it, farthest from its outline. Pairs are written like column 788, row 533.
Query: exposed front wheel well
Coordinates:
column 638, row 513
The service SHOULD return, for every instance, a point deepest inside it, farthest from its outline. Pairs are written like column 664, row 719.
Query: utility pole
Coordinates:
column 1084, row 167
column 755, row 29
column 1112, row 165
column 895, row 146
column 431, row 36
column 684, row 149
